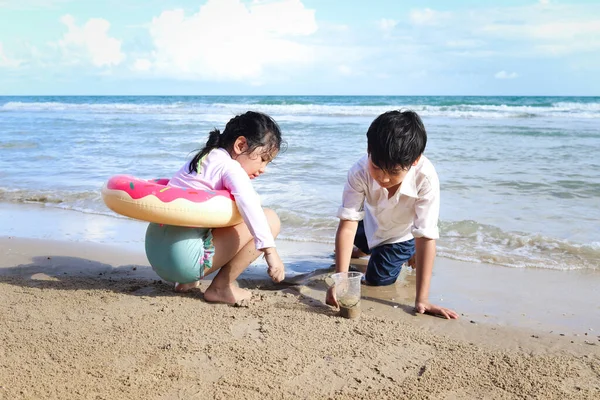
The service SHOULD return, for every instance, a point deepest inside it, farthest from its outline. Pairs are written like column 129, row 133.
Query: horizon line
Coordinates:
column 297, row 95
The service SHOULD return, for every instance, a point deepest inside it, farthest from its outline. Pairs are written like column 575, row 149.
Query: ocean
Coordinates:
column 520, row 176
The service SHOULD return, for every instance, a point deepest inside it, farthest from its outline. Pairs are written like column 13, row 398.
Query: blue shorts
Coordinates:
column 179, row 254
column 386, row 260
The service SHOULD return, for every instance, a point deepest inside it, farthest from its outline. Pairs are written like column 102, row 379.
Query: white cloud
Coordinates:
column 544, row 2
column 228, row 40
column 387, row 25
column 142, row 65
column 339, row 28
column 566, row 48
column 30, row 4
column 465, row 43
column 5, row 61
column 90, row 43
column 547, row 29
column 345, row 70
column 566, row 30
column 427, row 16
column 539, row 29
column 555, row 30
column 505, row 75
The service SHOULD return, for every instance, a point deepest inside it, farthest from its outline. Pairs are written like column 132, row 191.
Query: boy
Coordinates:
column 390, row 208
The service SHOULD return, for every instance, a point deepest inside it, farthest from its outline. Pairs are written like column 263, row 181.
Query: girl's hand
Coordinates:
column 276, row 268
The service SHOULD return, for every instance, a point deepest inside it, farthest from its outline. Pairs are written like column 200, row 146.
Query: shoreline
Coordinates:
column 85, row 320
column 492, row 303
column 539, row 299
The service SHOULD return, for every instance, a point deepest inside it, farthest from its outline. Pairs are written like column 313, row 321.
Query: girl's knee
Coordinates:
column 273, row 220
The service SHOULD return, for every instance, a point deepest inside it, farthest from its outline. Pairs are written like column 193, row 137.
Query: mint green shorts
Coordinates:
column 179, row 254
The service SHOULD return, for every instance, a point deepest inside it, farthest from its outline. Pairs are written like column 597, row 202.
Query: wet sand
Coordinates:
column 566, row 302
column 84, row 320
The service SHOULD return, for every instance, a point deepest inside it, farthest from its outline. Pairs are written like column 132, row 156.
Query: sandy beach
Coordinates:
column 504, row 159
column 85, row 320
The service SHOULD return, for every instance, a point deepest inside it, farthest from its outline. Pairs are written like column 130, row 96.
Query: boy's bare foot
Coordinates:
column 228, row 295
column 357, row 253
column 185, row 287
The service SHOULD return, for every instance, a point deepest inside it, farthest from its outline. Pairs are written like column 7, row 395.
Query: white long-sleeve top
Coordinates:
column 413, row 211
column 218, row 171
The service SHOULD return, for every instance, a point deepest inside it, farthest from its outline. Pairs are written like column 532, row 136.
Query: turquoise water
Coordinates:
column 520, row 176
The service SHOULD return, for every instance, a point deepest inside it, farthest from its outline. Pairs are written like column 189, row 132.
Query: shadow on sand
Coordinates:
column 75, row 273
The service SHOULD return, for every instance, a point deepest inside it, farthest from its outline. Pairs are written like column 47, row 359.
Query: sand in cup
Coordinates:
column 347, row 292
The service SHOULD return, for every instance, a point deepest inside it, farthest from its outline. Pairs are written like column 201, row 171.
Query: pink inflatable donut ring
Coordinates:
column 154, row 201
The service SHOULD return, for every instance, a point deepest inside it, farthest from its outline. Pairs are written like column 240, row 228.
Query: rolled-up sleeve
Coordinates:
column 427, row 210
column 354, row 196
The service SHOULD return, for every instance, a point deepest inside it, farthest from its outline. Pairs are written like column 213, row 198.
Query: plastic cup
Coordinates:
column 347, row 291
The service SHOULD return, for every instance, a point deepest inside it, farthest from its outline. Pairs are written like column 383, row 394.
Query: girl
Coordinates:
column 229, row 161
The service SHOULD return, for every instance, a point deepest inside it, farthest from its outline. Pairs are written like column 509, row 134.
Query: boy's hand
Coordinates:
column 276, row 268
column 330, row 298
column 423, row 307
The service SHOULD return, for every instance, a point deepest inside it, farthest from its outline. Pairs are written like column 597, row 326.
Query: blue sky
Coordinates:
column 377, row 47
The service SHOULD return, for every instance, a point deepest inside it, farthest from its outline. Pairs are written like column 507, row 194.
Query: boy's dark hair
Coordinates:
column 259, row 130
column 396, row 139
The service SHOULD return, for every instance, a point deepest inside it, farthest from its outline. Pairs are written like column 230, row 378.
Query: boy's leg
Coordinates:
column 386, row 262
column 361, row 247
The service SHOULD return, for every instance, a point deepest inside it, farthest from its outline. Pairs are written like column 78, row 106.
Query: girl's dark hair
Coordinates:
column 396, row 139
column 259, row 130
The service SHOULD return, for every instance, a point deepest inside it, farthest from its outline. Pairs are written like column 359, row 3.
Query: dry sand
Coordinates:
column 83, row 321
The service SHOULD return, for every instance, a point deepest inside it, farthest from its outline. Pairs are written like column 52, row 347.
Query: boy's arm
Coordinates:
column 425, row 255
column 349, row 213
column 344, row 240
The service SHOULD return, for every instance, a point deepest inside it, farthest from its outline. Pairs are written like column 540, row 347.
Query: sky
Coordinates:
column 299, row 47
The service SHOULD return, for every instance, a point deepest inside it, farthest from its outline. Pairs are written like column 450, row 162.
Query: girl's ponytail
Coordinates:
column 213, row 142
column 259, row 129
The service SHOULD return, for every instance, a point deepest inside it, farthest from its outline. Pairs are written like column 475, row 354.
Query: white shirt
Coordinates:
column 218, row 171
column 413, row 211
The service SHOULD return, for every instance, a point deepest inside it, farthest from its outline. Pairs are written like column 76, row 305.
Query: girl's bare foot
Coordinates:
column 230, row 294
column 185, row 287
